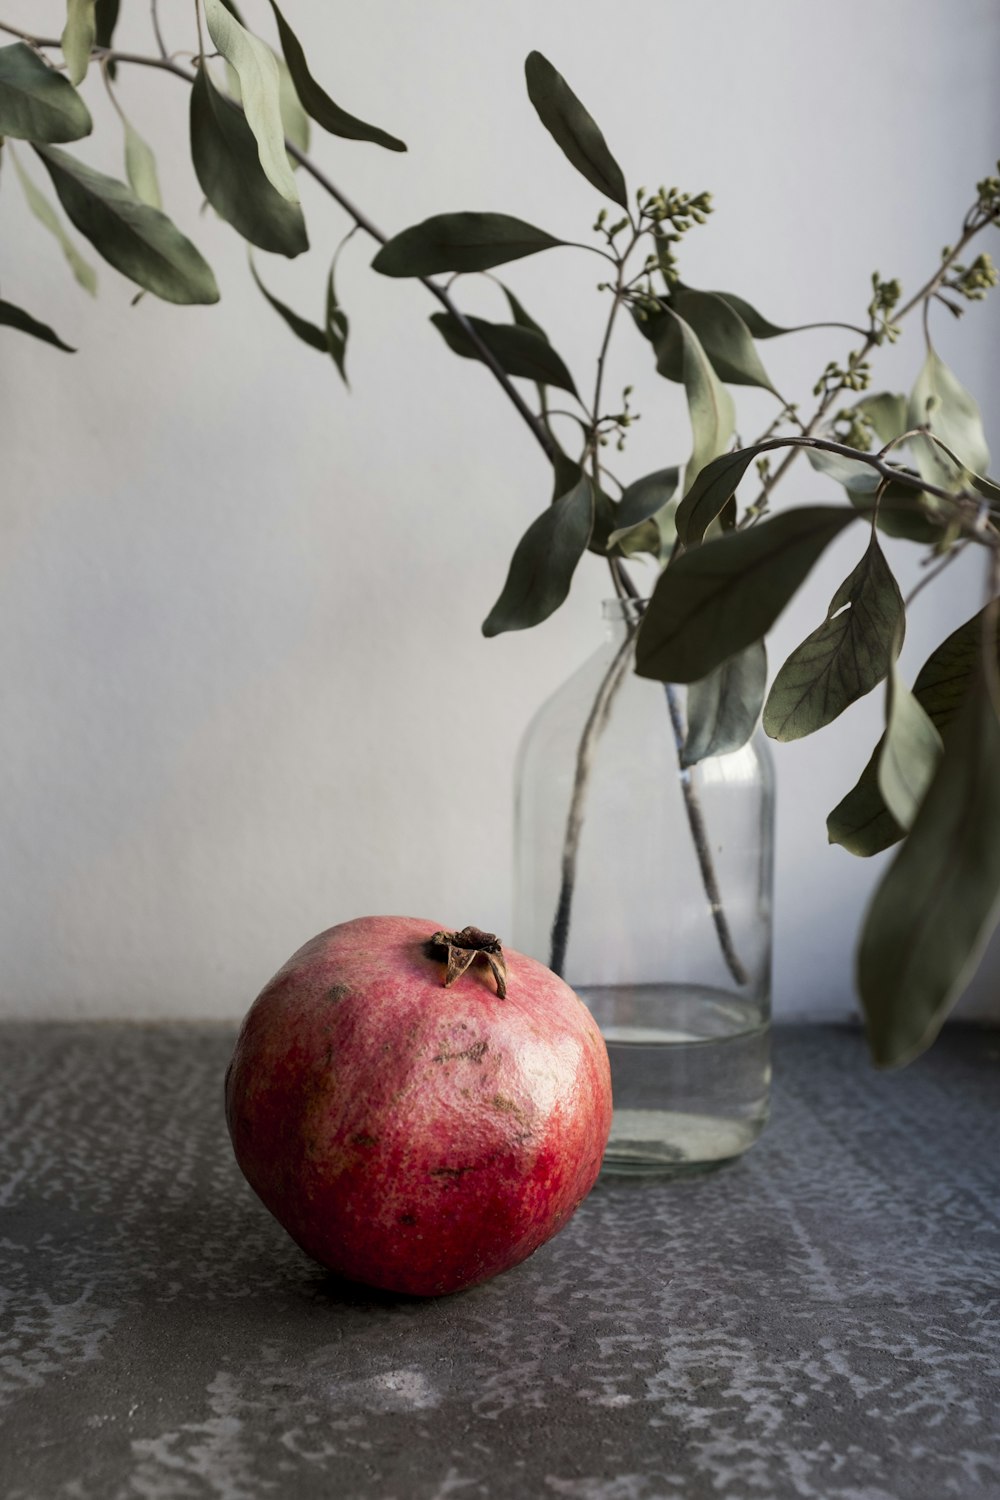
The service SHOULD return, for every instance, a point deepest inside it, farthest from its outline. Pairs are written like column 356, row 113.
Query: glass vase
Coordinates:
column 647, row 886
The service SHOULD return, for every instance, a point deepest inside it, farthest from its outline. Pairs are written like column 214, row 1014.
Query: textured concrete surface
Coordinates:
column 820, row 1321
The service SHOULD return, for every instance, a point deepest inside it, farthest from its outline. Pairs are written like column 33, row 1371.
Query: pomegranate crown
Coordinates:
column 461, row 950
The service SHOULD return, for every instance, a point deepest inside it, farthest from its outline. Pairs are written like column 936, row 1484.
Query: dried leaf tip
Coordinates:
column 461, row 949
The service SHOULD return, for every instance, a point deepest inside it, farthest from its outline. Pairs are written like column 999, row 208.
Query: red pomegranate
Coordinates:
column 419, row 1108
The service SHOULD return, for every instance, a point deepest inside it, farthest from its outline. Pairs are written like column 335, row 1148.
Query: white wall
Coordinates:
column 236, row 601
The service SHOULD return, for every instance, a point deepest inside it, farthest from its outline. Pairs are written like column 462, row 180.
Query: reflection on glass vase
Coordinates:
column 648, row 887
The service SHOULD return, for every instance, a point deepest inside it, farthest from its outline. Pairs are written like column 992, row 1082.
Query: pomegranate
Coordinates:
column 419, row 1108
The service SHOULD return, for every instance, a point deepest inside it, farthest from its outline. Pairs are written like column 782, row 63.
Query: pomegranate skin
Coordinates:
column 410, row 1136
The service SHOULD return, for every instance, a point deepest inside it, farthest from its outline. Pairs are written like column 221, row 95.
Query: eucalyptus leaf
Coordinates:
column 644, row 498
column 301, row 327
column 717, row 599
column 566, row 473
column 318, row 103
column 713, row 488
column 139, row 241
column 887, row 414
column 646, row 511
column 903, row 511
column 710, row 406
column 37, row 104
column 911, row 749
column 260, row 92
column 573, row 129
column 79, row 35
column 337, row 326
column 940, row 403
column 140, row 167
column 105, row 20
column 933, row 913
column 544, row 561
column 723, row 708
column 226, row 162
column 861, row 822
column 946, row 677
column 847, row 656
column 724, row 337
column 758, row 326
column 15, row 317
column 460, row 242
column 46, row 214
column 520, row 315
column 294, row 120
column 518, row 351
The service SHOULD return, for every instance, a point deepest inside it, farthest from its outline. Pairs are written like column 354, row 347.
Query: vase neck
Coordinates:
column 621, row 617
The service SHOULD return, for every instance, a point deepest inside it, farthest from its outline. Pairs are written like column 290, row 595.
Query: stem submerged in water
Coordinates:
column 596, row 722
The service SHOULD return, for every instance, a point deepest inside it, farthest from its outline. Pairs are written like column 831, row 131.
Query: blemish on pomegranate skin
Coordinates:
column 338, row 992
column 449, row 1171
column 363, row 1139
column 407, row 1219
column 475, row 1053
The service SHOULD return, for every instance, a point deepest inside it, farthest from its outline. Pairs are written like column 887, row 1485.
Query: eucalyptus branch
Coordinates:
column 596, row 721
column 972, row 225
column 361, row 220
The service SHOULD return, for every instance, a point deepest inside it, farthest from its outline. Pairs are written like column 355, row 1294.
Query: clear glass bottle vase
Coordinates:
column 648, row 887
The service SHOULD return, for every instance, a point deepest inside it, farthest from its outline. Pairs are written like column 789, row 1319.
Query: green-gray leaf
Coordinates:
column 227, row 165
column 140, row 167
column 887, row 414
column 939, row 402
column 645, row 518
column 911, row 749
column 15, row 317
column 723, row 708
column 137, row 240
column 646, row 497
column 903, row 511
column 294, row 120
column 257, row 70
column 337, row 326
column 318, row 103
column 710, row 406
column 931, row 916
column 847, row 656
column 544, row 561
column 79, row 35
column 574, row 131
column 106, row 19
column 521, row 316
column 722, row 333
column 46, row 214
column 460, row 242
column 713, row 488
column 758, row 326
column 716, row 599
column 861, row 822
column 37, row 104
column 301, row 327
column 518, row 351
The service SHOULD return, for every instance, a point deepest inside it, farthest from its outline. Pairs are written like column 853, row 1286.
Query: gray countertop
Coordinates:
column 821, row 1320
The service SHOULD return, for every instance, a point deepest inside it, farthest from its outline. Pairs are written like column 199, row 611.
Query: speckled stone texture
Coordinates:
column 822, row 1320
